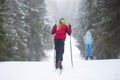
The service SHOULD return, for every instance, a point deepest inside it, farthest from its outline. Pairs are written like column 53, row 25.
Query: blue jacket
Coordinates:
column 88, row 39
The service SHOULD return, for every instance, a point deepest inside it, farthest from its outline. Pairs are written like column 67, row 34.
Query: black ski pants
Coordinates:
column 59, row 47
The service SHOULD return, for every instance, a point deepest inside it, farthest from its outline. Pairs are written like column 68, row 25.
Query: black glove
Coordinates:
column 69, row 26
column 54, row 26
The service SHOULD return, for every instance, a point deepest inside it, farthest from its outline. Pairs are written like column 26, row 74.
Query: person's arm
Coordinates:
column 53, row 29
column 91, row 38
column 84, row 37
column 69, row 30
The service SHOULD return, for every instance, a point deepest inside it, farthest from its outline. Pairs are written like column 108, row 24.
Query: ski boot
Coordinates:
column 60, row 65
column 86, row 58
column 91, row 57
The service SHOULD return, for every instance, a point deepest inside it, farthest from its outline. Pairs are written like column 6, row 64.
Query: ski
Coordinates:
column 60, row 71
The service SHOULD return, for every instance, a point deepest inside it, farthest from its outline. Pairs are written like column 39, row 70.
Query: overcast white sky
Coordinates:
column 63, row 8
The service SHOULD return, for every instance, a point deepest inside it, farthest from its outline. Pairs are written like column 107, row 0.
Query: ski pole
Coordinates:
column 54, row 53
column 71, row 52
column 54, row 57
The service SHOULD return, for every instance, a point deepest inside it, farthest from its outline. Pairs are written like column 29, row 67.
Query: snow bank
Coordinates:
column 82, row 69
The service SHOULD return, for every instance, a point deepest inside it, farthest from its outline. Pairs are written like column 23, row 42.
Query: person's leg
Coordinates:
column 57, row 52
column 90, row 51
column 87, row 50
column 61, row 49
column 61, row 46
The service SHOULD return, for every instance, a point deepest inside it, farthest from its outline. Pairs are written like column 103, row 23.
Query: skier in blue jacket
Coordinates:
column 88, row 40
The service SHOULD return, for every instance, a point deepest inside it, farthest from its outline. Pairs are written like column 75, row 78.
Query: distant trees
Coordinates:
column 25, row 29
column 102, row 17
column 4, row 43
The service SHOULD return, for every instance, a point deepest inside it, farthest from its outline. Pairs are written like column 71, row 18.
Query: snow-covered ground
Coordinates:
column 82, row 69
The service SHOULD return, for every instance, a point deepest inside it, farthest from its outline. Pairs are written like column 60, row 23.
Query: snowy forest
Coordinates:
column 25, row 27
